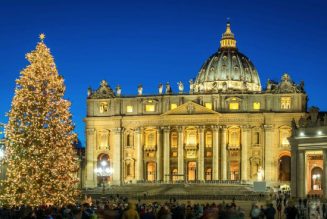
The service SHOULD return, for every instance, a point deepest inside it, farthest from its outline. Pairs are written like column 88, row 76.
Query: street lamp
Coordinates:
column 103, row 171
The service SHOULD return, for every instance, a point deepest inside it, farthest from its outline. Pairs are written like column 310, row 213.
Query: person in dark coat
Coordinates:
column 270, row 211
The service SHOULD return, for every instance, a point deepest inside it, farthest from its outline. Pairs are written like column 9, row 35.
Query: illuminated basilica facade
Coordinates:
column 225, row 127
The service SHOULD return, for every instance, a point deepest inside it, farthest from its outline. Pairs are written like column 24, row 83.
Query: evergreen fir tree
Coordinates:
column 40, row 158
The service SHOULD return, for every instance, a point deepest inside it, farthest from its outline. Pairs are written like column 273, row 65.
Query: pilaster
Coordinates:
column 159, row 155
column 244, row 152
column 215, row 153
column 224, row 152
column 139, row 174
column 116, row 177
column 201, row 155
column 180, row 152
column 90, row 159
column 166, row 153
column 268, row 159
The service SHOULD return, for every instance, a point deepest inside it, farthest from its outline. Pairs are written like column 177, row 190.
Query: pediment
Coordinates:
column 190, row 108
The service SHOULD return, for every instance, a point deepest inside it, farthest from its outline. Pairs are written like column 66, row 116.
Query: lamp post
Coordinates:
column 104, row 171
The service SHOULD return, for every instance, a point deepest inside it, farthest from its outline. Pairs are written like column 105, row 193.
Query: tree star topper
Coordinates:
column 42, row 36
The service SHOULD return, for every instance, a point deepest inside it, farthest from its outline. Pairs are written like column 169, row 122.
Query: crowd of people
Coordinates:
column 121, row 208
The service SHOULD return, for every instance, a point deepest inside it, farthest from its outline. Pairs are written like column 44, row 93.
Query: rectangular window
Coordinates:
column 256, row 105
column 173, row 106
column 149, row 108
column 234, row 106
column 285, row 102
column 174, row 154
column 209, row 154
column 129, row 109
column 208, row 105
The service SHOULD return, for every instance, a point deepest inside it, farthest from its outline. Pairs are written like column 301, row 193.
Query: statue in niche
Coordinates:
column 140, row 90
column 160, row 88
column 168, row 88
column 180, row 87
column 260, row 174
column 118, row 90
column 191, row 85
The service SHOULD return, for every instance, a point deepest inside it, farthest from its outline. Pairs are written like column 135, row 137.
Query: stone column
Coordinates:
column 200, row 168
column 300, row 174
column 117, row 158
column 166, row 154
column 159, row 155
column 324, row 174
column 180, row 153
column 139, row 174
column 215, row 152
column 294, row 171
column 268, row 164
column 224, row 153
column 244, row 152
column 90, row 158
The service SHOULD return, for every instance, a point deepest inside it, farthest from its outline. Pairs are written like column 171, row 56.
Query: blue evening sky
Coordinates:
column 148, row 42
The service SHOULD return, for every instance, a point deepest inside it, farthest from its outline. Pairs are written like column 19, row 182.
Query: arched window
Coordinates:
column 174, row 139
column 174, row 173
column 208, row 174
column 151, row 171
column 208, row 139
column 284, row 168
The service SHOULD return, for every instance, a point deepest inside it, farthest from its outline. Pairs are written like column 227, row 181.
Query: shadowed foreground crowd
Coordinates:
column 123, row 210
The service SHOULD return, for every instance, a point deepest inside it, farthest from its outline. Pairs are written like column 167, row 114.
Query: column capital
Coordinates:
column 201, row 128
column 223, row 128
column 268, row 127
column 215, row 127
column 90, row 131
column 117, row 130
column 180, row 128
column 139, row 130
column 166, row 128
column 246, row 128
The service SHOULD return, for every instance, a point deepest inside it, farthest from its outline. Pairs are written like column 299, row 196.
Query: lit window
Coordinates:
column 234, row 106
column 208, row 105
column 173, row 106
column 149, row 108
column 256, row 105
column 285, row 102
column 129, row 109
column 209, row 154
column 174, row 154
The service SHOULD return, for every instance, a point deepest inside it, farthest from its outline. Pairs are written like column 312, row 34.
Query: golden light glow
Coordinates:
column 173, row 106
column 149, row 108
column 41, row 161
column 256, row 105
column 285, row 102
column 42, row 36
column 234, row 106
column 208, row 105
column 228, row 40
column 129, row 109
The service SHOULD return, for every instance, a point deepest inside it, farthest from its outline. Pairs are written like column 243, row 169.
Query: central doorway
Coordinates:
column 316, row 174
column 191, row 171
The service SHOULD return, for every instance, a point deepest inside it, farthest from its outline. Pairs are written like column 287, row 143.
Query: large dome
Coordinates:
column 227, row 70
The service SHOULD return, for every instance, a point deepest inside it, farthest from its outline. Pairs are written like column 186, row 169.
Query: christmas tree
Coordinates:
column 40, row 158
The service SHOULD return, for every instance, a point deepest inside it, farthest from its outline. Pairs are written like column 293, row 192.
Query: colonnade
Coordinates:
column 219, row 158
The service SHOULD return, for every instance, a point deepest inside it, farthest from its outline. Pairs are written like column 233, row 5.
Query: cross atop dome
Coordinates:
column 227, row 39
